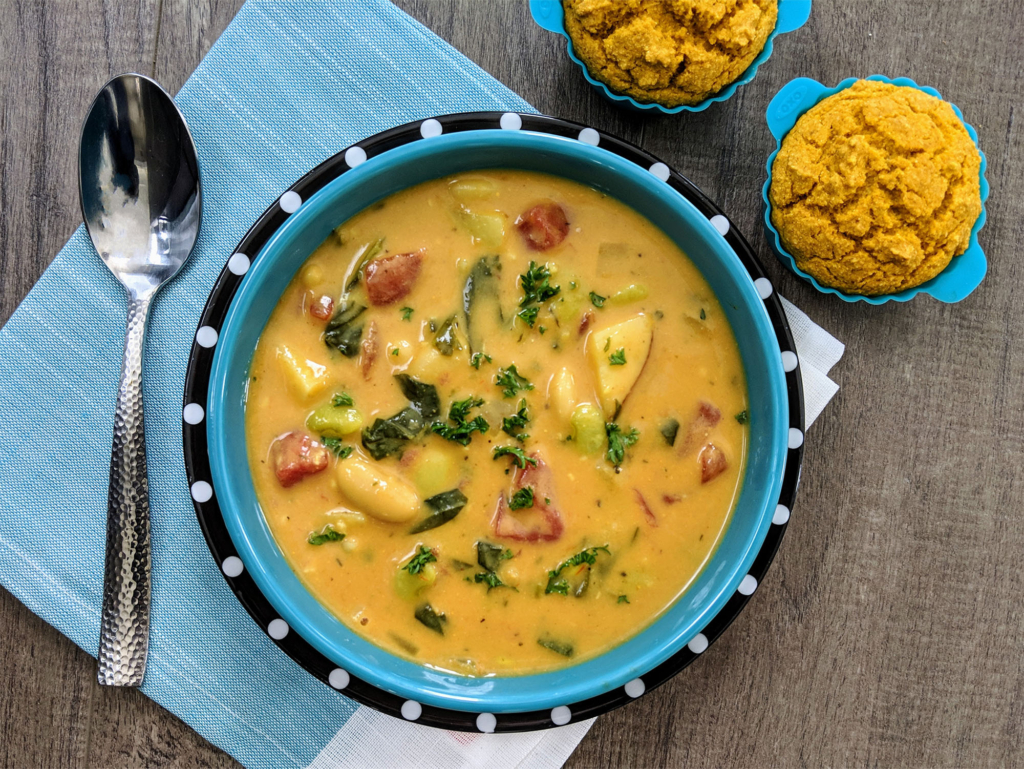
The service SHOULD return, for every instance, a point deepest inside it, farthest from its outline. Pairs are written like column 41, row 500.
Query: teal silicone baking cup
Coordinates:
column 793, row 14
column 960, row 277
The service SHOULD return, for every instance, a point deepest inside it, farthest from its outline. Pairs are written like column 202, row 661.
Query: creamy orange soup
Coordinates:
column 497, row 423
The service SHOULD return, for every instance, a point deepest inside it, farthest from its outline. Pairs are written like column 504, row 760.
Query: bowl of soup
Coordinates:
column 497, row 421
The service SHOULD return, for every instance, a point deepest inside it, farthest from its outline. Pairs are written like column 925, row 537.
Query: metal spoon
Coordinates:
column 139, row 182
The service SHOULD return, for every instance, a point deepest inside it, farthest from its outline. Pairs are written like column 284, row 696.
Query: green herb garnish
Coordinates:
column 341, row 331
column 342, row 399
column 490, row 556
column 623, row 599
column 511, row 381
column 536, row 289
column 519, row 458
column 406, row 313
column 419, row 561
column 618, row 358
column 460, row 430
column 597, row 300
column 447, row 339
column 513, row 424
column 669, row 430
column 479, row 358
column 490, row 579
column 391, row 436
column 529, row 315
column 336, row 447
column 326, row 534
column 446, row 506
column 558, row 584
column 558, row 647
column 743, row 417
column 434, row 620
column 421, row 395
column 703, row 315
column 522, row 499
column 618, row 441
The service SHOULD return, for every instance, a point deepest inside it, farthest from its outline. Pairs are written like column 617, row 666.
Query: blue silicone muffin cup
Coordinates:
column 793, row 14
column 396, row 169
column 961, row 276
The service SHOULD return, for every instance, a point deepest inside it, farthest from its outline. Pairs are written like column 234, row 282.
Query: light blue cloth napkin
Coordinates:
column 289, row 83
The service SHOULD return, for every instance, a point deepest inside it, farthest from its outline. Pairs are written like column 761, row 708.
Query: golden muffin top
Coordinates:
column 671, row 52
column 876, row 188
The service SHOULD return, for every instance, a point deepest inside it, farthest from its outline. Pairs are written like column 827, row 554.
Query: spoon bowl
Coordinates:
column 142, row 204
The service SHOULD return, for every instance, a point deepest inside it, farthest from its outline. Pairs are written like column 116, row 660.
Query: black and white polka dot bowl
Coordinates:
column 241, row 302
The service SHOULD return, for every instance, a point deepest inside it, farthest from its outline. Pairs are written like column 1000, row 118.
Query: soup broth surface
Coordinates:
column 372, row 433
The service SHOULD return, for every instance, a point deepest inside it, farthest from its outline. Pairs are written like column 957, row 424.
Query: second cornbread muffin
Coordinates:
column 876, row 188
column 672, row 52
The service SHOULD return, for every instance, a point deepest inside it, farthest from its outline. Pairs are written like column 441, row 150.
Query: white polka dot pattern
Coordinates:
column 721, row 224
column 232, row 566
column 781, row 515
column 430, row 128
column 796, row 438
column 635, row 688
column 193, row 413
column 238, row 264
column 290, row 202
column 355, row 156
column 206, row 336
column 660, row 171
column 486, row 723
column 202, row 491
column 510, row 121
column 698, row 644
column 789, row 361
column 277, row 629
column 411, row 710
column 338, row 678
column 590, row 136
column 764, row 287
column 747, row 585
column 561, row 715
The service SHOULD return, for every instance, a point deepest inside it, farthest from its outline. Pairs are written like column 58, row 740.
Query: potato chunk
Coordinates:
column 377, row 491
column 306, row 378
column 617, row 355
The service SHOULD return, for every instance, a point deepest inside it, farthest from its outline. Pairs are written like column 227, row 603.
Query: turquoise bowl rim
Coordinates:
column 793, row 14
column 959, row 278
column 274, row 267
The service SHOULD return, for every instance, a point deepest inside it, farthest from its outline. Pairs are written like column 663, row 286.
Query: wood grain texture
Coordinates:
column 888, row 630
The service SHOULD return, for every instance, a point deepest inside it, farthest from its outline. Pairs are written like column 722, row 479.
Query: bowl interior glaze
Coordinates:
column 403, row 167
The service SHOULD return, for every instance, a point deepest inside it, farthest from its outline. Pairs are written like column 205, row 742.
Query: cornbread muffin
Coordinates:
column 876, row 188
column 671, row 52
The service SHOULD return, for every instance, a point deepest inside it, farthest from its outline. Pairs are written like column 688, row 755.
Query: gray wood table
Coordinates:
column 888, row 632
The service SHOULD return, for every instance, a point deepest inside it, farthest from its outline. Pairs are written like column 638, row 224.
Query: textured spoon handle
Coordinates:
column 124, row 625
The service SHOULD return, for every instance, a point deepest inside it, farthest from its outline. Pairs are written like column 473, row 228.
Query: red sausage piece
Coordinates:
column 390, row 278
column 296, row 455
column 544, row 226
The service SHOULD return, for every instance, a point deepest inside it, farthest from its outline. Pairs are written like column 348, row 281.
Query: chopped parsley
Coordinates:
column 618, row 441
column 326, row 534
column 623, row 599
column 596, row 299
column 558, row 584
column 743, row 417
column 419, row 561
column 406, row 313
column 490, row 579
column 395, row 351
column 461, row 430
column 342, row 399
column 511, row 381
column 529, row 315
column 479, row 358
column 519, row 458
column 618, row 358
column 513, row 424
column 522, row 499
column 669, row 430
column 537, row 288
column 558, row 647
column 336, row 447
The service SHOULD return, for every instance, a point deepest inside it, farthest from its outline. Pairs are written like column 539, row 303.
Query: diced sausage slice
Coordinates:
column 369, row 348
column 585, row 321
column 540, row 523
column 712, row 462
column 321, row 307
column 296, row 455
column 390, row 278
column 697, row 434
column 544, row 226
